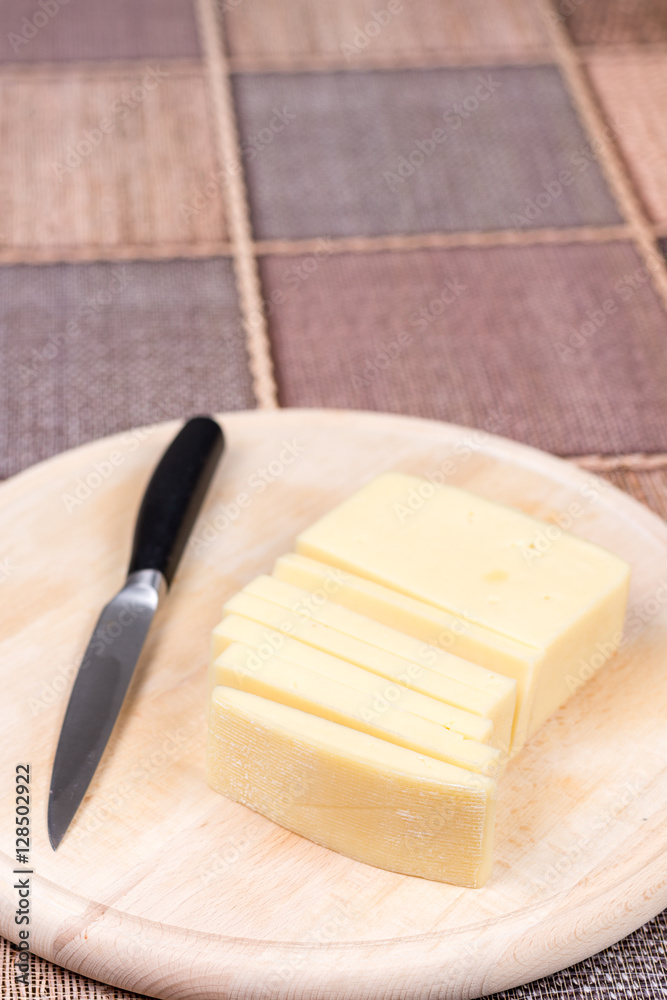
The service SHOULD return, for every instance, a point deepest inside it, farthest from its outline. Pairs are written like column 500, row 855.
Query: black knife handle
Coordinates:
column 174, row 496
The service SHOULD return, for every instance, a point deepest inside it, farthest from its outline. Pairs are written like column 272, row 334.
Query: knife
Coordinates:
column 167, row 513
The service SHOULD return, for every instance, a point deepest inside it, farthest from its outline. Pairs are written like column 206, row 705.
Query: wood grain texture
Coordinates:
column 163, row 887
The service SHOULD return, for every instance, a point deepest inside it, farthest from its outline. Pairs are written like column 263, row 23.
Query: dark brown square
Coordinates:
column 558, row 346
column 609, row 22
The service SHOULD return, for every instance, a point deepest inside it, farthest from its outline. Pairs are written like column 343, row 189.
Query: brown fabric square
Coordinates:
column 558, row 346
column 91, row 349
column 605, row 22
column 51, row 30
column 410, row 151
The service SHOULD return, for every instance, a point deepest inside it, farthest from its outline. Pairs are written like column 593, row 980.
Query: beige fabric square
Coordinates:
column 633, row 92
column 348, row 28
column 108, row 158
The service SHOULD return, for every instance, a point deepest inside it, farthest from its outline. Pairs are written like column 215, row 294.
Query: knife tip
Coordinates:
column 55, row 830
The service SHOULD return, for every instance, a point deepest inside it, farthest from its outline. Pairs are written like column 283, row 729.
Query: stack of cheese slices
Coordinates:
column 368, row 694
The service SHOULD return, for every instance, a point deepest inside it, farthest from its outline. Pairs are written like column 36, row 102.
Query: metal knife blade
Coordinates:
column 169, row 508
column 98, row 694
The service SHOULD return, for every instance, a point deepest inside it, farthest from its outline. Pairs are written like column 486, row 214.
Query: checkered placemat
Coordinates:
column 449, row 208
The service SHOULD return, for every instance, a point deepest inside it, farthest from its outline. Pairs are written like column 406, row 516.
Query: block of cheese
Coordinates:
column 431, row 625
column 494, row 700
column 489, row 565
column 288, row 683
column 364, row 797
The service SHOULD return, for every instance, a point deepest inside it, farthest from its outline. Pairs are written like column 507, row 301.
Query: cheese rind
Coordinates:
column 485, row 564
column 384, row 710
column 495, row 700
column 368, row 799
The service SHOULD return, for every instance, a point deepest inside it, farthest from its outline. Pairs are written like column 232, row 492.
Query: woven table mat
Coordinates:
column 450, row 208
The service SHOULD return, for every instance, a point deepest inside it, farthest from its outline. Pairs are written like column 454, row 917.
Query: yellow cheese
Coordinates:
column 371, row 800
column 439, row 633
column 493, row 700
column 290, row 683
column 364, row 695
column 491, row 566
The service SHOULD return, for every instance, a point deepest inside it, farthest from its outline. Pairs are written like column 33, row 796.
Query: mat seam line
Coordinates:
column 333, row 62
column 608, row 153
column 343, row 244
column 246, row 269
column 634, row 462
column 436, row 240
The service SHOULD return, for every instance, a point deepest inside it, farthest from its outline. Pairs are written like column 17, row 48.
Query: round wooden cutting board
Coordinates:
column 164, row 887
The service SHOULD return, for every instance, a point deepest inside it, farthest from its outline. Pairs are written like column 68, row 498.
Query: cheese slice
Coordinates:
column 393, row 649
column 491, row 566
column 439, row 638
column 368, row 799
column 291, row 634
column 365, row 697
column 290, row 683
